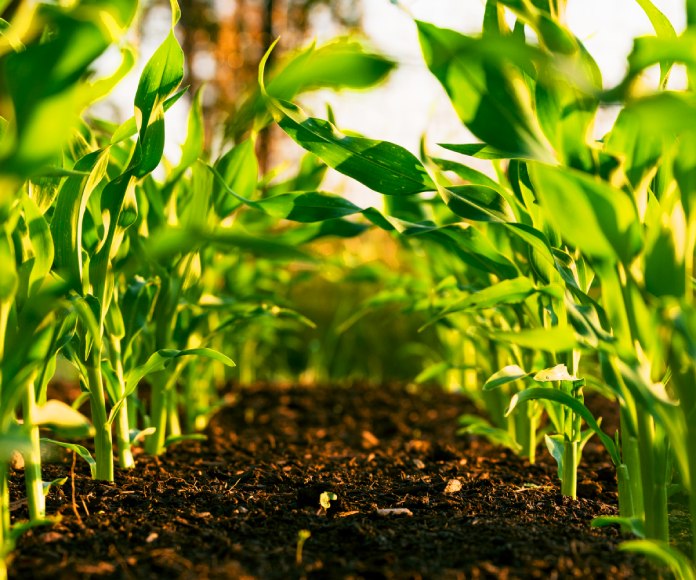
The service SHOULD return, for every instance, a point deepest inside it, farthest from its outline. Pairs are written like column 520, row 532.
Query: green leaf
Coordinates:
column 159, row 361
column 101, row 88
column 507, row 374
column 382, row 166
column 512, row 291
column 635, row 525
column 427, row 374
column 342, row 63
column 663, row 28
column 137, row 303
column 68, row 215
column 172, row 439
column 485, row 79
column 665, row 267
column 41, row 242
column 476, row 203
column 47, row 485
column 166, row 244
column 603, row 222
column 478, row 150
column 239, row 169
column 556, row 446
column 62, row 419
column 45, row 105
column 475, row 425
column 554, row 339
column 80, row 450
column 161, row 76
column 574, row 405
column 677, row 562
column 307, row 207
column 9, row 279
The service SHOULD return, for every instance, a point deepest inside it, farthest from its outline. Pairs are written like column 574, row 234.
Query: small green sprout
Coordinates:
column 302, row 537
column 326, row 498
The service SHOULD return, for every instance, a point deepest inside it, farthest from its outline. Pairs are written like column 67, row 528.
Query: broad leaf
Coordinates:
column 485, row 79
column 603, row 221
column 574, row 405
column 382, row 166
column 554, row 339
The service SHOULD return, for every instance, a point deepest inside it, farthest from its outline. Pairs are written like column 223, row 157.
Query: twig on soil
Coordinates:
column 531, row 487
column 72, row 485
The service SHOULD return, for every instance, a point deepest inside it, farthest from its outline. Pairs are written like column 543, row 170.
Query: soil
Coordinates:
column 232, row 506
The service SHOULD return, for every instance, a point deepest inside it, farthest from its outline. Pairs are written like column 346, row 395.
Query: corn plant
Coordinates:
column 591, row 243
column 45, row 54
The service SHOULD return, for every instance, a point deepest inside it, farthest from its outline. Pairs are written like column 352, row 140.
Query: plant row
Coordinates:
column 570, row 266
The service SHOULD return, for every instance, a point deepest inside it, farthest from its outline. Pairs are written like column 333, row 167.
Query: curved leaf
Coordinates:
column 574, row 405
column 382, row 166
column 507, row 374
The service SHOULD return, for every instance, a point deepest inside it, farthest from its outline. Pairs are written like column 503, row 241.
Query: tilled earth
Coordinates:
column 233, row 506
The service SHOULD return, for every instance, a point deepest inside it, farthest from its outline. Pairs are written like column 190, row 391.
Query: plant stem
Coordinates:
column 103, row 444
column 655, row 492
column 160, row 407
column 691, row 451
column 173, row 423
column 625, row 496
column 5, row 540
column 125, row 454
column 32, row 459
column 569, row 481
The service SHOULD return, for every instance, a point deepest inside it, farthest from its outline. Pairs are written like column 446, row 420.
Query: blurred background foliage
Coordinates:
column 358, row 294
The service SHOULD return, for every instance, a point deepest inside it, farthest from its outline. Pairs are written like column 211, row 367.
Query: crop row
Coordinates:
column 572, row 267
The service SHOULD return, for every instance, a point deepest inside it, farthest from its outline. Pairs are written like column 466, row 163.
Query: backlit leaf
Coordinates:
column 382, row 166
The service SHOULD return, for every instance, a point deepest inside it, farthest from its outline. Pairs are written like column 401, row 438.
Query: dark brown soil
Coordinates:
column 232, row 507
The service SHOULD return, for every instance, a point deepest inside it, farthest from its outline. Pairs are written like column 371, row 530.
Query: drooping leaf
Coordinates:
column 158, row 361
column 671, row 557
column 80, row 450
column 573, row 404
column 476, row 203
column 475, row 425
column 478, row 150
column 382, row 166
column 512, row 291
column 306, row 207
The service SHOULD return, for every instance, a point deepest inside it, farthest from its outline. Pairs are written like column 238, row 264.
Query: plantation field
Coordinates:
column 232, row 507
column 531, row 291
